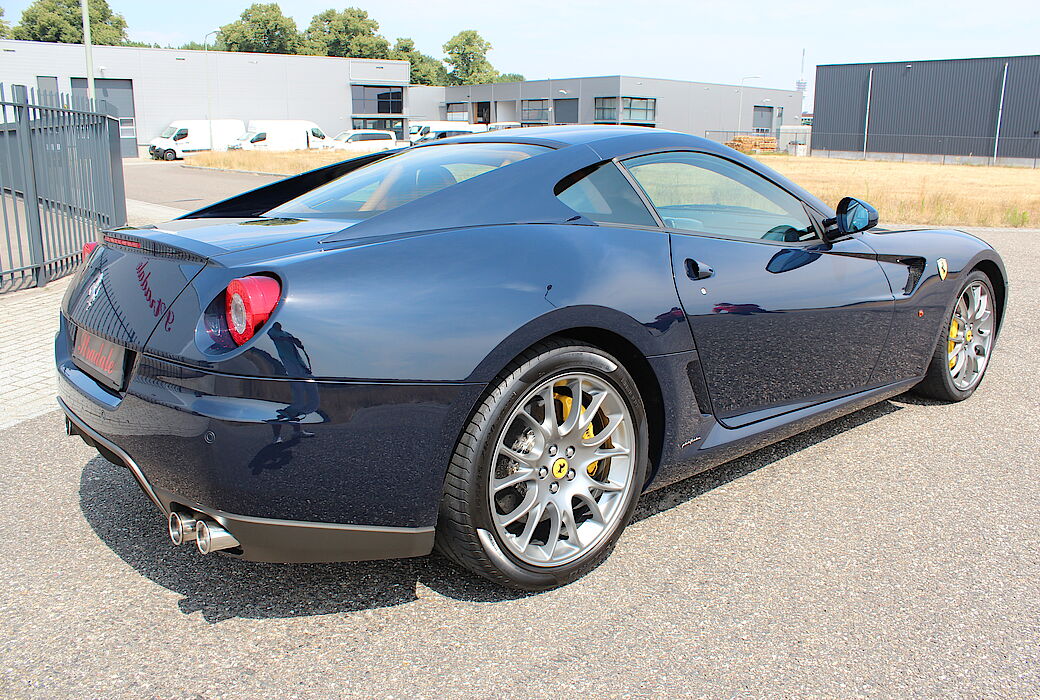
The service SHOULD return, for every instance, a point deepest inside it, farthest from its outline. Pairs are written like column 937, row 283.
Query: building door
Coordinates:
column 483, row 112
column 565, row 111
column 118, row 93
column 48, row 86
column 762, row 122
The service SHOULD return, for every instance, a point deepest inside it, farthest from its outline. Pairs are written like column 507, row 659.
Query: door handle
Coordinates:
column 697, row 270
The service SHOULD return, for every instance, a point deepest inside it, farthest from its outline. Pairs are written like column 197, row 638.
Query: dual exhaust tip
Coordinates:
column 207, row 535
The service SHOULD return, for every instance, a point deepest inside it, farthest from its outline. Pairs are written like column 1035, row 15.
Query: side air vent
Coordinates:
column 915, row 269
column 149, row 247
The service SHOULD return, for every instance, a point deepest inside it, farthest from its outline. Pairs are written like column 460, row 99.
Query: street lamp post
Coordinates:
column 740, row 112
column 87, row 47
column 209, row 94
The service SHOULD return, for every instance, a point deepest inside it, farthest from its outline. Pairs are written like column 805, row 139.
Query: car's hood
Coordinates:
column 213, row 238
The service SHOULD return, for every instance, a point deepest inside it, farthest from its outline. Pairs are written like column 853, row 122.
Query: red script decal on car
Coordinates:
column 157, row 305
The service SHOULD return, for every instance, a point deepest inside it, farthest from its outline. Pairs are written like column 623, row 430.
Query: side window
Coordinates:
column 317, row 133
column 354, row 138
column 699, row 192
column 605, row 196
column 262, row 136
column 181, row 134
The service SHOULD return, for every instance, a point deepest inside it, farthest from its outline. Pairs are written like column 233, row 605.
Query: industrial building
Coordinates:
column 149, row 88
column 695, row 108
column 973, row 110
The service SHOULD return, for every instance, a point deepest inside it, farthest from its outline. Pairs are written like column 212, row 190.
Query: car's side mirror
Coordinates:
column 853, row 216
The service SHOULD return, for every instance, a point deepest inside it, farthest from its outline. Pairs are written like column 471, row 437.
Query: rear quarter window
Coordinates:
column 403, row 178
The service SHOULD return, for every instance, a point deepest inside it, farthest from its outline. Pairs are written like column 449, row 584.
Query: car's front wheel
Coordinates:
column 548, row 471
column 169, row 154
column 963, row 353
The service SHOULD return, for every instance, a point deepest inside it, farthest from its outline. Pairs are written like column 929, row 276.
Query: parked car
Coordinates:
column 367, row 140
column 185, row 136
column 419, row 131
column 493, row 348
column 283, row 135
column 497, row 126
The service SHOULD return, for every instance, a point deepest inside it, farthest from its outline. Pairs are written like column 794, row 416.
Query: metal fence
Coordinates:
column 973, row 150
column 61, row 181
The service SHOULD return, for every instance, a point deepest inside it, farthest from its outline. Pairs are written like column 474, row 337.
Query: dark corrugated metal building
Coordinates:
column 979, row 108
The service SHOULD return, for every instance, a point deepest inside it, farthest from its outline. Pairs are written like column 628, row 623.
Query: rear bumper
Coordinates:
column 296, row 470
column 270, row 539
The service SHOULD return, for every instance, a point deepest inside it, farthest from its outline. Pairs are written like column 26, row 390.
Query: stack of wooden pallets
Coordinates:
column 753, row 143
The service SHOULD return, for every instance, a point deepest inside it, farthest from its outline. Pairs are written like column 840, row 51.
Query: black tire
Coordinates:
column 937, row 382
column 465, row 533
column 169, row 154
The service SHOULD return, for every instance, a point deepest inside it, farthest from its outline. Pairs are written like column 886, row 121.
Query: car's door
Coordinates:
column 780, row 318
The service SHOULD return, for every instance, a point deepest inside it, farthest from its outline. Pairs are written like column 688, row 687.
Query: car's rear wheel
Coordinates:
column 169, row 154
column 548, row 471
column 963, row 353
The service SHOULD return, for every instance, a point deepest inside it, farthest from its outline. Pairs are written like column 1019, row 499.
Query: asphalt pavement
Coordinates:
column 892, row 553
column 171, row 184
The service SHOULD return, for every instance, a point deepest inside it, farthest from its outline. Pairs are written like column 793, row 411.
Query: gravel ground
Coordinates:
column 894, row 552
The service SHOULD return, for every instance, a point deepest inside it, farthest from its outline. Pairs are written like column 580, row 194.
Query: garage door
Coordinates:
column 119, row 93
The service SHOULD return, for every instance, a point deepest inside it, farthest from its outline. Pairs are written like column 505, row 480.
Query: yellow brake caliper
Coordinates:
column 565, row 404
column 954, row 327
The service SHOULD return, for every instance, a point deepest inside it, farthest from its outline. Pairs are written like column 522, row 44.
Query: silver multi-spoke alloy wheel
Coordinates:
column 970, row 335
column 563, row 469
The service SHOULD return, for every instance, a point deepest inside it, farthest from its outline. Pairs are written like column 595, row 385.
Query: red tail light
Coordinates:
column 248, row 303
column 88, row 248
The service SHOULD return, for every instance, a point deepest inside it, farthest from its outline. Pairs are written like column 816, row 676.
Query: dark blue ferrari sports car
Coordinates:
column 493, row 344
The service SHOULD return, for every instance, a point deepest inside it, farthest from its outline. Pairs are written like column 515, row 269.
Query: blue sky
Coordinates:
column 714, row 42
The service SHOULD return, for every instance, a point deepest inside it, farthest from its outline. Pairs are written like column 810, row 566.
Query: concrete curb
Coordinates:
column 230, row 170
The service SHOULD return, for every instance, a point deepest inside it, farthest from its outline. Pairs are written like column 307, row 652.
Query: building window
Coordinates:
column 394, row 125
column 638, row 109
column 534, row 110
column 377, row 99
column 458, row 112
column 606, row 109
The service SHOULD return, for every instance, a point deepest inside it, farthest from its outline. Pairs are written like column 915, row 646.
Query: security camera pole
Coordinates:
column 86, row 45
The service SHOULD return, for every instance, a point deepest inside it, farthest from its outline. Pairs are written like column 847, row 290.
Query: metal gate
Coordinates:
column 61, row 182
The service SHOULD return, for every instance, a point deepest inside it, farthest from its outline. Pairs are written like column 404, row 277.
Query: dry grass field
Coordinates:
column 274, row 162
column 904, row 193
column 923, row 193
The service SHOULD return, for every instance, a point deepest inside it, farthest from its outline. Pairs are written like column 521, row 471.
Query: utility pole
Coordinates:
column 86, row 45
column 209, row 93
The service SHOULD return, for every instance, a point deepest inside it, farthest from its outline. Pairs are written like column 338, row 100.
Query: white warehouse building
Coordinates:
column 149, row 88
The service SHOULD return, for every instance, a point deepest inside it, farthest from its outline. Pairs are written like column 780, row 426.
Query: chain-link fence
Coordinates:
column 61, row 181
column 973, row 150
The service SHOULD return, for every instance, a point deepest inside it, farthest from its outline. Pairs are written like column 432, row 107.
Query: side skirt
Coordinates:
column 719, row 444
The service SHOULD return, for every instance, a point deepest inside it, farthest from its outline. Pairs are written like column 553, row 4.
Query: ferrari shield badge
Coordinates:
column 944, row 268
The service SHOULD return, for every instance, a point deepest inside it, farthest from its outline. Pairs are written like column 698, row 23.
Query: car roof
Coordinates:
column 574, row 134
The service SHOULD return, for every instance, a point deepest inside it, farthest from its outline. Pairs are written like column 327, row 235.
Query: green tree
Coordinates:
column 196, row 46
column 61, row 21
column 467, row 56
column 426, row 70
column 262, row 28
column 510, row 78
column 350, row 32
column 5, row 28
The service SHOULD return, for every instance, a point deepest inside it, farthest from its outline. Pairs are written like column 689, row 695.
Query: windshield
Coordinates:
column 414, row 128
column 168, row 132
column 247, row 136
column 400, row 179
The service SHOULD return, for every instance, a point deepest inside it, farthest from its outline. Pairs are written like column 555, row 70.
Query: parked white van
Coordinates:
column 193, row 135
column 427, row 131
column 282, row 135
column 366, row 140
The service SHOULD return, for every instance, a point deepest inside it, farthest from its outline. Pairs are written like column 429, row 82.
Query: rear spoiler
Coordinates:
column 255, row 202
